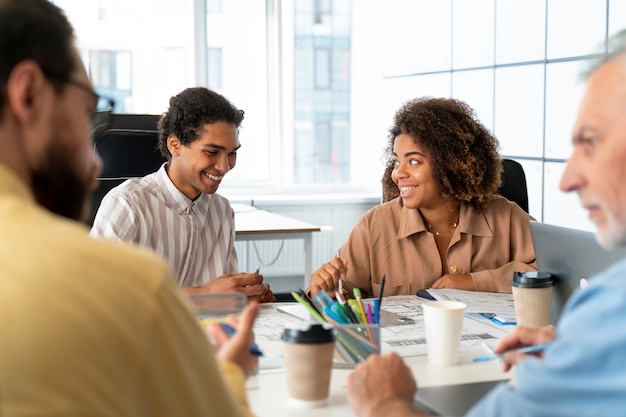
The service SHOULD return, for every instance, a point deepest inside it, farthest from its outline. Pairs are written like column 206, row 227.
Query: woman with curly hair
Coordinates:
column 447, row 228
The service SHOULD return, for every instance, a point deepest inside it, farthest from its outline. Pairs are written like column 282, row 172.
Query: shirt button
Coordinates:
column 454, row 269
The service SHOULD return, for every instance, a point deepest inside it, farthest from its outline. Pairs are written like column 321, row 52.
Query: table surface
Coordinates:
column 267, row 391
column 249, row 221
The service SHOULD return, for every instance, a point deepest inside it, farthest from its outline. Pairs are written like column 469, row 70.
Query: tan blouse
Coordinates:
column 393, row 241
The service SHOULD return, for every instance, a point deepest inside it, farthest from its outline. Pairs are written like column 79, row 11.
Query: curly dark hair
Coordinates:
column 464, row 154
column 35, row 30
column 189, row 111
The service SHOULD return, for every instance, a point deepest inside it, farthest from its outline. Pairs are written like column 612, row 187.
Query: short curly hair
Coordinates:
column 464, row 155
column 189, row 111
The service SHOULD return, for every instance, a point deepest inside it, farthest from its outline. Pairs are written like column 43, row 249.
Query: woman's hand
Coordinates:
column 237, row 348
column 456, row 281
column 326, row 278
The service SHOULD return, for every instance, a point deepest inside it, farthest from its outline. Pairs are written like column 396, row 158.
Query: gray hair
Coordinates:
column 615, row 45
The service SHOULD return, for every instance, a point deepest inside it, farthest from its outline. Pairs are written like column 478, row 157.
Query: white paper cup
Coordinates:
column 443, row 323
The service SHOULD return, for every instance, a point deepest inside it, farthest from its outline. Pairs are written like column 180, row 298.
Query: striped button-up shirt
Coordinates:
column 196, row 237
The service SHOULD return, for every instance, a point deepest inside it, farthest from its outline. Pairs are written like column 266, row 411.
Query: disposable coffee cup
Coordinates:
column 532, row 297
column 443, row 323
column 308, row 351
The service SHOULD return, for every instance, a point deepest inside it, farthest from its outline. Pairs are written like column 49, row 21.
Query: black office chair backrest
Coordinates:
column 129, row 153
column 134, row 121
column 125, row 154
column 513, row 185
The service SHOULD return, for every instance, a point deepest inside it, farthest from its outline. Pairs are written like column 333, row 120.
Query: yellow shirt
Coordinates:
column 90, row 328
column 392, row 240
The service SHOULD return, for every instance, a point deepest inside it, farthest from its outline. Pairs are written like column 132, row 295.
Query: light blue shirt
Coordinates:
column 584, row 372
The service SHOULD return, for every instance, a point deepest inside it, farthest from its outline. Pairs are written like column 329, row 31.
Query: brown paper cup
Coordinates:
column 309, row 351
column 308, row 368
column 532, row 297
column 532, row 306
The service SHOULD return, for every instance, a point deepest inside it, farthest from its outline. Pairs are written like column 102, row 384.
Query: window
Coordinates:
column 111, row 75
column 320, row 80
column 288, row 64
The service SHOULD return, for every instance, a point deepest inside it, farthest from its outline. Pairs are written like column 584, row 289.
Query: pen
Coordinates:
column 380, row 300
column 346, row 308
column 370, row 316
column 376, row 310
column 526, row 349
column 258, row 269
column 340, row 284
column 357, row 294
column 254, row 349
column 356, row 311
column 310, row 307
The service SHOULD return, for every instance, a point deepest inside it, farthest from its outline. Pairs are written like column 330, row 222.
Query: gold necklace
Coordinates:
column 454, row 224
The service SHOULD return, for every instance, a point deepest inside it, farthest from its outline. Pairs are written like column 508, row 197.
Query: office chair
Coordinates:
column 134, row 121
column 513, row 187
column 125, row 154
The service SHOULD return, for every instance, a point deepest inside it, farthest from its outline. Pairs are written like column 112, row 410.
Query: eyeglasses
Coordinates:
column 103, row 111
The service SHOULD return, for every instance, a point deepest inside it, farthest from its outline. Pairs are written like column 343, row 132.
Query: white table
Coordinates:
column 253, row 224
column 268, row 393
column 268, row 390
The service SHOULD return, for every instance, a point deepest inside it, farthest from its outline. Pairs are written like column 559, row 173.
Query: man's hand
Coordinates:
column 326, row 278
column 250, row 283
column 521, row 337
column 237, row 348
column 456, row 281
column 382, row 386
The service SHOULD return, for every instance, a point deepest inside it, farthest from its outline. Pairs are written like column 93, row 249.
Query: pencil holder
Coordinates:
column 354, row 343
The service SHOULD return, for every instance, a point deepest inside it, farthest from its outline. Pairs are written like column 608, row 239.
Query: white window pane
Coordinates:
column 123, row 70
column 244, row 81
column 417, row 36
column 515, row 41
column 617, row 16
column 367, row 139
column 533, row 170
column 112, row 26
column 563, row 93
column 400, row 90
column 472, row 41
column 519, row 110
column 476, row 89
column 575, row 27
column 562, row 209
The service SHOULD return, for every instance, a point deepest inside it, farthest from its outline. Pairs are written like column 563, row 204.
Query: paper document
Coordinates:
column 404, row 339
column 499, row 304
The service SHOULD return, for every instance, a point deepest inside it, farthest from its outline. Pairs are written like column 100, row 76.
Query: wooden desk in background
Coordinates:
column 253, row 224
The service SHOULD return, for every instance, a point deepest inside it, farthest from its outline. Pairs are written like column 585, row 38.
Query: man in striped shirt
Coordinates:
column 176, row 210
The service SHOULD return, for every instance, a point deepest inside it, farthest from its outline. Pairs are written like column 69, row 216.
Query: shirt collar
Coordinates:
column 174, row 197
column 471, row 222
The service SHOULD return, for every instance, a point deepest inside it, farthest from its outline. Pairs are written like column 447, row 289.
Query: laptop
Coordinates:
column 572, row 257
column 452, row 400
